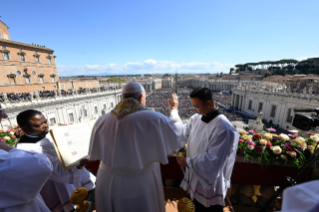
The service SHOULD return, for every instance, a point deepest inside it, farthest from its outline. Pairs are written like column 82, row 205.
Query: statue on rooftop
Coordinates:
column 259, row 118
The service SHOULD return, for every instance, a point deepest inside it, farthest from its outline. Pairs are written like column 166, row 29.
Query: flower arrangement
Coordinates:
column 266, row 146
column 11, row 136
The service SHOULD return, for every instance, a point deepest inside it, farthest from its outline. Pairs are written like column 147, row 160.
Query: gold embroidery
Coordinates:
column 127, row 106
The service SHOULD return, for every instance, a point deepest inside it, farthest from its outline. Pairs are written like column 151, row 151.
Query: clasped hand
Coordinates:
column 83, row 162
column 181, row 161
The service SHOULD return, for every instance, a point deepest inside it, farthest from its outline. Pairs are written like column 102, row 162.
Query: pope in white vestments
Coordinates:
column 131, row 141
column 22, row 176
column 58, row 189
column 211, row 152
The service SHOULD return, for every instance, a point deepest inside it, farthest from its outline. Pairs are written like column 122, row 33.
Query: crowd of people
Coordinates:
column 158, row 100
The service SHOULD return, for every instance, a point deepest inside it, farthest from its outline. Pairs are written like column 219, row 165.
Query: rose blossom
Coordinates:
column 259, row 149
column 240, row 141
column 293, row 154
column 268, row 136
column 271, row 129
column 250, row 147
column 315, row 137
column 309, row 134
column 263, row 141
column 293, row 136
column 252, row 131
column 2, row 139
column 269, row 145
column 276, row 150
column 256, row 136
column 251, row 143
column 13, row 136
column 284, row 136
column 284, row 157
column 300, row 139
column 242, row 132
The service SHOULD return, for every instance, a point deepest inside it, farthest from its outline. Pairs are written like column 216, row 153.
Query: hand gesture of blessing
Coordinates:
column 173, row 104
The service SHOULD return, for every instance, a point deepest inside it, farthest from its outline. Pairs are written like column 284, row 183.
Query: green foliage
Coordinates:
column 115, row 79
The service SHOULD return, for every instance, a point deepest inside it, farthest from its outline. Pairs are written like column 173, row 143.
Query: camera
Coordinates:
column 305, row 122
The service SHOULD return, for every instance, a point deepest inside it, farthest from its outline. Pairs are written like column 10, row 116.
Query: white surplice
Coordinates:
column 211, row 153
column 303, row 197
column 130, row 149
column 22, row 176
column 59, row 188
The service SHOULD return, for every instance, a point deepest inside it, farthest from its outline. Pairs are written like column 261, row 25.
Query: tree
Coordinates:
column 231, row 71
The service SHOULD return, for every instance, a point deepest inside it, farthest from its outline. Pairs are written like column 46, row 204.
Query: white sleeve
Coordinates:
column 222, row 148
column 22, row 176
column 186, row 129
column 70, row 176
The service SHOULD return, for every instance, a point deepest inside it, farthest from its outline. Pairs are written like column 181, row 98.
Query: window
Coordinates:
column 273, row 111
column 111, row 104
column 3, row 47
column 53, row 79
column 49, row 61
column 62, row 86
column 104, row 106
column 54, row 86
column 92, row 83
column 260, row 106
column 52, row 121
column 22, row 58
column 71, row 117
column 27, row 79
column 41, row 79
column 43, row 88
column 289, row 117
column 95, row 108
column 0, row 35
column 34, row 73
column 20, row 49
column 35, row 52
column 37, row 59
column 249, row 105
column 70, row 85
column 19, row 73
column 85, row 112
column 6, row 56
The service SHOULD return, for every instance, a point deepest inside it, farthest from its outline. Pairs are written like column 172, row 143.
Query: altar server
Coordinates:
column 58, row 189
column 131, row 141
column 22, row 176
column 211, row 151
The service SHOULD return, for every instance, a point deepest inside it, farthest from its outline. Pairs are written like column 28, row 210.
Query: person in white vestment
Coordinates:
column 22, row 176
column 303, row 197
column 211, row 151
column 61, row 184
column 131, row 141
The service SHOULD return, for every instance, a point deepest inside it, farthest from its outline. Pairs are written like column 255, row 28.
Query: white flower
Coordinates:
column 284, row 136
column 276, row 150
column 267, row 135
column 284, row 157
column 7, row 137
column 250, row 147
column 12, row 133
column 315, row 137
column 263, row 142
column 300, row 139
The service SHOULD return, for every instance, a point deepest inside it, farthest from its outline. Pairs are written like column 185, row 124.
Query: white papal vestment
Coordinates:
column 211, row 153
column 22, row 176
column 61, row 184
column 130, row 148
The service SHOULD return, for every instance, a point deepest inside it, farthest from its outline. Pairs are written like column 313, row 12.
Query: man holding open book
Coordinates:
column 58, row 189
column 131, row 141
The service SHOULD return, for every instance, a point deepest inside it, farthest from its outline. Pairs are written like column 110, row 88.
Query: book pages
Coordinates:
column 72, row 143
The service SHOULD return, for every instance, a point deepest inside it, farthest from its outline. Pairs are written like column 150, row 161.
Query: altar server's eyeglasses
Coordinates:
column 197, row 107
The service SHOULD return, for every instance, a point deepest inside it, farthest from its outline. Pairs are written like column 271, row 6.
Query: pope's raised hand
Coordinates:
column 173, row 103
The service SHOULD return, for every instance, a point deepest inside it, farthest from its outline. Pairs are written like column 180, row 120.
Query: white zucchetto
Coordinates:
column 132, row 87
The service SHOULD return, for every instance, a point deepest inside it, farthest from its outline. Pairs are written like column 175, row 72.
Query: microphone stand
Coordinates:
column 291, row 181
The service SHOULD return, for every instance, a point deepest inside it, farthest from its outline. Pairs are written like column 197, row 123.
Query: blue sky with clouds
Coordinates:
column 161, row 36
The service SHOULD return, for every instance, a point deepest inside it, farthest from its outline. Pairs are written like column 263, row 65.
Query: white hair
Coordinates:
column 132, row 89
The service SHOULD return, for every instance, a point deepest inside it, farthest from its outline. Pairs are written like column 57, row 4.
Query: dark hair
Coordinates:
column 24, row 117
column 203, row 94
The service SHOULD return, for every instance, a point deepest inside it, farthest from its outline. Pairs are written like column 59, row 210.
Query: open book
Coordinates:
column 72, row 142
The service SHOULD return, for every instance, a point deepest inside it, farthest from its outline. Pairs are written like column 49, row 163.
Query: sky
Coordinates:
column 163, row 36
